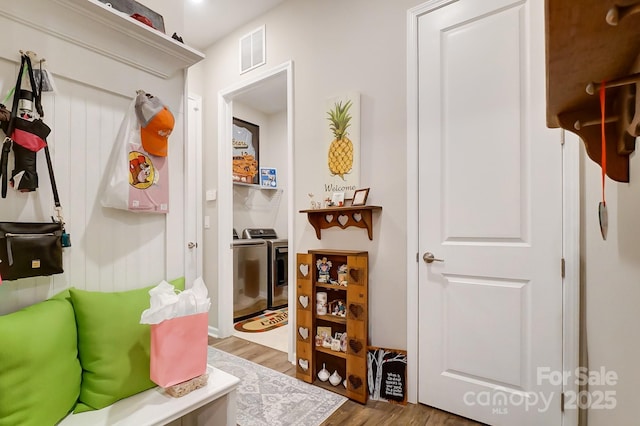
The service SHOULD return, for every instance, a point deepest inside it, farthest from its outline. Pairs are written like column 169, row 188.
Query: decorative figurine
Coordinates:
column 327, row 342
column 340, row 310
column 342, row 275
column 324, row 269
column 321, row 303
column 314, row 204
column 343, row 342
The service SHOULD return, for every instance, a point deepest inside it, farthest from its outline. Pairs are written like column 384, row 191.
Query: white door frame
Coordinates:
column 193, row 186
column 225, row 198
column 570, row 218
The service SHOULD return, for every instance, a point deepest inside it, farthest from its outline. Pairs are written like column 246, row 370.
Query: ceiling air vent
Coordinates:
column 252, row 50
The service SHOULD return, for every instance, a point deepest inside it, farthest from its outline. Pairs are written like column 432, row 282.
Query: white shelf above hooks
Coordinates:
column 102, row 29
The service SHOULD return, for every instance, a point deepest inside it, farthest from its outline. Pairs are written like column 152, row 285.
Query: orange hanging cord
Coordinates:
column 604, row 139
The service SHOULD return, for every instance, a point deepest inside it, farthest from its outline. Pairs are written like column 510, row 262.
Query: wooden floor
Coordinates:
column 350, row 413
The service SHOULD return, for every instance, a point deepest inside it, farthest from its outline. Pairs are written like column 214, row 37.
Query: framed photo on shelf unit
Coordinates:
column 246, row 151
column 337, row 199
column 360, row 197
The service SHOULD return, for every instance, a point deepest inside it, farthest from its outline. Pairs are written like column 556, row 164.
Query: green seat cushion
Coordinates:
column 39, row 368
column 113, row 346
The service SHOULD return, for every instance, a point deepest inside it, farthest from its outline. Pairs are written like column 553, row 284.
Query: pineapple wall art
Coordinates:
column 343, row 144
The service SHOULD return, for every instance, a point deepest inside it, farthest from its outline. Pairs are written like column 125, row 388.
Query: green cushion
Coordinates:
column 113, row 346
column 39, row 368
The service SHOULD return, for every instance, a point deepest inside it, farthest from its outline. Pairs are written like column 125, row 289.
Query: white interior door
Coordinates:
column 490, row 313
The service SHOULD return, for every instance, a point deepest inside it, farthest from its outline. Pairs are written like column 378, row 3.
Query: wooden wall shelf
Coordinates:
column 343, row 217
column 581, row 48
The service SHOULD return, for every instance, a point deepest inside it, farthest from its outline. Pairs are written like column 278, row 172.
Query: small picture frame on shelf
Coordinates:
column 335, row 345
column 268, row 177
column 360, row 197
column 337, row 199
column 322, row 334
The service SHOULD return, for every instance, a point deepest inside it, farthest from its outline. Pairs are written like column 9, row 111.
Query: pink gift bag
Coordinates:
column 179, row 349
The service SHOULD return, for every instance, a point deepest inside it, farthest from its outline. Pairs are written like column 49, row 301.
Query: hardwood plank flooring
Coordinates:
column 350, row 413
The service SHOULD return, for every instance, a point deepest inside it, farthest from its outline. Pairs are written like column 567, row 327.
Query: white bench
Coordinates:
column 213, row 404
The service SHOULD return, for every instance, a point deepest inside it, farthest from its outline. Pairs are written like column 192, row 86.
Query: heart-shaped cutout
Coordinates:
column 355, row 381
column 304, row 301
column 354, row 274
column 355, row 345
column 355, row 311
column 304, row 332
column 304, row 269
column 343, row 219
column 357, row 217
column 303, row 363
column 328, row 218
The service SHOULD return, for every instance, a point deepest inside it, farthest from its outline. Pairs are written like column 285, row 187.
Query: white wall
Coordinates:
column 172, row 14
column 262, row 208
column 336, row 47
column 611, row 275
column 111, row 250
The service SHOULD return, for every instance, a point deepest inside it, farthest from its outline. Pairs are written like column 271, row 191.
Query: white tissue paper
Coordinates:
column 165, row 303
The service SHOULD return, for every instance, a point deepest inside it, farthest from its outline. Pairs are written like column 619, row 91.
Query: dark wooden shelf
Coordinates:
column 332, row 318
column 340, row 389
column 332, row 286
column 581, row 48
column 330, row 352
column 343, row 217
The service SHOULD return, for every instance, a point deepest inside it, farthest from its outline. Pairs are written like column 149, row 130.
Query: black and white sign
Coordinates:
column 387, row 375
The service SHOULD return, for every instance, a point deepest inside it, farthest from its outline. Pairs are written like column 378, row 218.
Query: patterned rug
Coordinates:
column 264, row 322
column 269, row 398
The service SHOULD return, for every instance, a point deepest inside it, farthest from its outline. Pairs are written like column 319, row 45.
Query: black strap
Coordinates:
column 16, row 97
column 36, row 93
column 6, row 146
column 4, row 164
column 52, row 178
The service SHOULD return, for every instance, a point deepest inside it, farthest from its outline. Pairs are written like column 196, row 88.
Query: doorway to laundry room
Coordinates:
column 259, row 154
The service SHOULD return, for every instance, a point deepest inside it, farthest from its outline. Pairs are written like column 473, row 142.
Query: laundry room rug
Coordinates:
column 263, row 322
column 269, row 398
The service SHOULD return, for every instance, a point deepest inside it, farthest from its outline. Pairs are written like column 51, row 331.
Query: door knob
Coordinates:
column 428, row 257
column 192, row 245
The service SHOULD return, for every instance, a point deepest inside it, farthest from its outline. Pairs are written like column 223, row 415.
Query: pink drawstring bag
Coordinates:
column 179, row 349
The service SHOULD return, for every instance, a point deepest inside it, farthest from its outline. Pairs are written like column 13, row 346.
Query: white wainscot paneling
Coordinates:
column 112, row 250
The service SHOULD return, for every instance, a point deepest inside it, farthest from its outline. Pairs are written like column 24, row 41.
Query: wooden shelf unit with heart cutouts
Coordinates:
column 351, row 364
column 342, row 217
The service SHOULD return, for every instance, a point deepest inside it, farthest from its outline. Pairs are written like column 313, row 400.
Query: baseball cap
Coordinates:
column 143, row 19
column 156, row 123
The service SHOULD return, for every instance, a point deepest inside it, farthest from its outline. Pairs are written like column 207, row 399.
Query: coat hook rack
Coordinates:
column 593, row 87
column 32, row 55
column 579, row 124
column 618, row 13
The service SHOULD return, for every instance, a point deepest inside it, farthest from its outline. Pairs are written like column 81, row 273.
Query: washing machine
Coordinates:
column 277, row 265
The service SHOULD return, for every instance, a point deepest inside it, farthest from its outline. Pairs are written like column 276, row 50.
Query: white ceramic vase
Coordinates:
column 335, row 378
column 323, row 374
